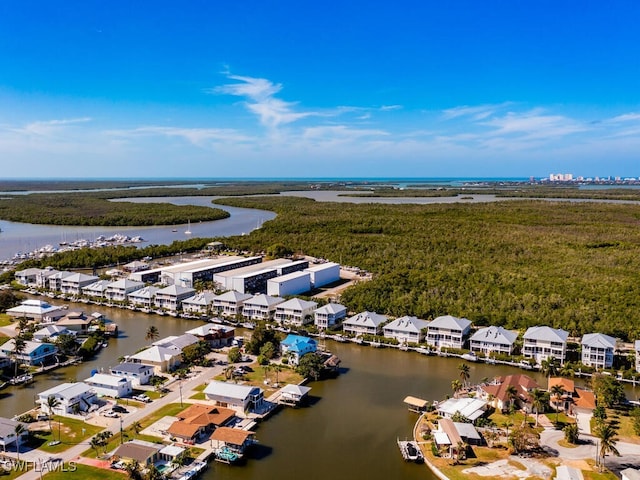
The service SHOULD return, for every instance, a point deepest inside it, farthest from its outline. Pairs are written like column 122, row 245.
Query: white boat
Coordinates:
column 188, row 230
column 470, row 357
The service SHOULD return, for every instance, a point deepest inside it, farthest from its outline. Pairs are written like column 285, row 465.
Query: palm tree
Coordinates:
column 137, row 427
column 228, row 372
column 456, row 386
column 607, row 436
column 133, row 470
column 52, row 402
column 538, row 400
column 512, row 394
column 95, row 443
column 277, row 368
column 19, row 430
column 463, row 368
column 19, row 346
column 556, row 392
column 549, row 367
column 152, row 333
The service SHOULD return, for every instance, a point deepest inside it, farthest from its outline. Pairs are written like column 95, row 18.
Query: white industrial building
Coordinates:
column 324, row 274
column 253, row 278
column 290, row 284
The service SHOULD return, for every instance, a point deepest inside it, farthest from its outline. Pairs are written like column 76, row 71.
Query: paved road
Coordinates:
column 74, row 452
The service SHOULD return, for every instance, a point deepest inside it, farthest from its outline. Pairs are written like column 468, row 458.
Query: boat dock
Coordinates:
column 410, row 451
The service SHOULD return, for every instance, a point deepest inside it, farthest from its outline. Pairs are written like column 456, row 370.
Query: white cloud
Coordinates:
column 478, row 112
column 198, row 136
column 534, row 124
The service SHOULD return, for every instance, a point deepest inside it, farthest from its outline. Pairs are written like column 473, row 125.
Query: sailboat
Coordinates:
column 188, row 230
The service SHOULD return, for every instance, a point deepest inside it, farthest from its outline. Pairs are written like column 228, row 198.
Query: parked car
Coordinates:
column 119, row 409
column 110, row 414
column 141, row 398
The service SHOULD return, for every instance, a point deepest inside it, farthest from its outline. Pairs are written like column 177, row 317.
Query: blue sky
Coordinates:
column 319, row 89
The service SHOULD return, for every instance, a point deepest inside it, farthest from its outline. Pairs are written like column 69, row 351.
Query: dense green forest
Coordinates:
column 516, row 263
column 83, row 209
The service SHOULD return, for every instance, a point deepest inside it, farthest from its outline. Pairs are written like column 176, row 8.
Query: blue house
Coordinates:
column 34, row 353
column 295, row 346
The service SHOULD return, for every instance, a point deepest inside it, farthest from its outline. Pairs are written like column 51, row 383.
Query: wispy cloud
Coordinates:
column 534, row 124
column 478, row 112
column 48, row 127
column 261, row 100
column 201, row 137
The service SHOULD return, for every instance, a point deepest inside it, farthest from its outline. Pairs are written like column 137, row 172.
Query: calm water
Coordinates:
column 25, row 237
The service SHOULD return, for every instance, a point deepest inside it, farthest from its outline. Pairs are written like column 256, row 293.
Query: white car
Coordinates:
column 110, row 414
column 141, row 398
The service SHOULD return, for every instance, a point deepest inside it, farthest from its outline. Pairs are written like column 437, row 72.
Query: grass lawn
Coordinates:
column 87, row 472
column 5, row 320
column 483, row 455
column 594, row 475
column 562, row 418
column 200, row 388
column 623, row 422
column 198, row 396
column 129, row 433
column 68, row 430
column 16, row 470
column 4, row 339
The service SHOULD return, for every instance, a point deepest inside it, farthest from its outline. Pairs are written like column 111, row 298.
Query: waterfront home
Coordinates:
column 162, row 359
column 136, row 266
column 197, row 421
column 233, row 439
column 75, row 321
column 170, row 453
column 498, row 392
column 144, row 298
column 200, row 303
column 72, row 398
column 73, row 284
column 637, row 348
column 215, row 334
column 490, row 340
column 292, row 394
column 329, row 315
column 137, row 373
column 145, row 453
column 365, row 323
column 597, row 350
column 544, row 343
column 242, row 398
column 294, row 347
column 450, row 435
column 42, row 278
column 260, row 307
column 54, row 280
column 5, row 361
column 8, row 433
column 406, row 329
column 573, row 398
column 28, row 277
column 295, row 312
column 96, row 289
column 448, row 331
column 49, row 332
column 177, row 341
column 229, row 304
column 119, row 290
column 37, row 310
column 34, row 353
column 171, row 297
column 110, row 385
column 470, row 408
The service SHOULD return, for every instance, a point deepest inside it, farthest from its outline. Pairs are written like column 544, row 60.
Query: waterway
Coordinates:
column 25, row 237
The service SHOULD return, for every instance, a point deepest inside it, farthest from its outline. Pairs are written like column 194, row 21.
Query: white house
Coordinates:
column 73, row 284
column 448, row 331
column 119, row 290
column 200, row 303
column 229, row 304
column 597, row 350
column 171, row 297
column 543, row 343
column 54, row 280
column 38, row 310
column 242, row 398
column 28, row 277
column 260, row 307
column 51, row 331
column 162, row 359
column 96, row 289
column 215, row 334
column 490, row 340
column 137, row 373
column 71, row 397
column 364, row 323
column 471, row 408
column 144, row 298
column 110, row 385
column 329, row 315
column 406, row 329
column 8, row 432
column 295, row 312
column 177, row 341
